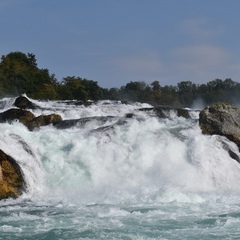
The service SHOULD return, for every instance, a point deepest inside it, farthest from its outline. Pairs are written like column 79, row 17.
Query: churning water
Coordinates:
column 116, row 177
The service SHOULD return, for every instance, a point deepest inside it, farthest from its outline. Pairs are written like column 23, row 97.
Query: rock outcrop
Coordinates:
column 221, row 119
column 12, row 183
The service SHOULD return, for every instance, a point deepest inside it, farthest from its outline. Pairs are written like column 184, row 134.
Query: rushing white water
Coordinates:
column 122, row 178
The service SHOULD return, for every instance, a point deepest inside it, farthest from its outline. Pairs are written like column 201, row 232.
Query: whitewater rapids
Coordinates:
column 123, row 178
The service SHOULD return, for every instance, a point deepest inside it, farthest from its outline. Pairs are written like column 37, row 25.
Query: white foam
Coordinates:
column 146, row 159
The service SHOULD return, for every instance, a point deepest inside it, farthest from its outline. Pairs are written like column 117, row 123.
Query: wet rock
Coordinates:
column 129, row 115
column 28, row 119
column 44, row 120
column 78, row 102
column 24, row 103
column 12, row 182
column 81, row 122
column 221, row 119
column 165, row 112
column 14, row 114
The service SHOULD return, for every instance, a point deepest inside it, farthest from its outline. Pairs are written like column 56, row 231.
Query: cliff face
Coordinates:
column 12, row 183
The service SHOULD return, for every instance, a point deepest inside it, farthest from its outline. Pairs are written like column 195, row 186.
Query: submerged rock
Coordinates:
column 164, row 112
column 221, row 119
column 12, row 183
column 81, row 122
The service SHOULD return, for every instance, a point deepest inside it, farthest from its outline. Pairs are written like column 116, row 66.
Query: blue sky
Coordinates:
column 114, row 42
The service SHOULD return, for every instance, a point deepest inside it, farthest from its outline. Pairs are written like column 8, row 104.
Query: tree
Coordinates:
column 169, row 96
column 78, row 88
column 32, row 59
column 111, row 94
column 156, row 86
column 186, row 91
column 134, row 91
column 94, row 92
column 47, row 91
column 19, row 74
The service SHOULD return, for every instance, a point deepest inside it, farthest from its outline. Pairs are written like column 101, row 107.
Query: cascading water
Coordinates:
column 138, row 177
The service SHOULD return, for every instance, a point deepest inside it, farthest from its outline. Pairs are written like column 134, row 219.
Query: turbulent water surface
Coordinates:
column 108, row 176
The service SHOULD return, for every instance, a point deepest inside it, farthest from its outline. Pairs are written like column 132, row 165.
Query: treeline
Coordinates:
column 185, row 94
column 20, row 74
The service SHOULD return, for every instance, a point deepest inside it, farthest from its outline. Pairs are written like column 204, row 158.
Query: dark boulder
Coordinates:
column 43, row 120
column 221, row 119
column 12, row 182
column 28, row 119
column 24, row 103
column 13, row 114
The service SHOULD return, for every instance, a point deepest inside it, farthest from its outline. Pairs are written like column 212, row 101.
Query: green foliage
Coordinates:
column 111, row 94
column 134, row 91
column 183, row 95
column 20, row 74
column 79, row 89
column 47, row 91
column 154, row 97
column 156, row 86
column 186, row 92
column 72, row 88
